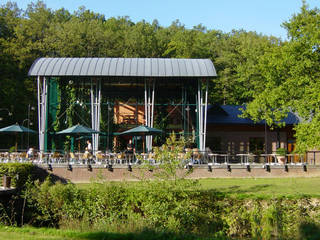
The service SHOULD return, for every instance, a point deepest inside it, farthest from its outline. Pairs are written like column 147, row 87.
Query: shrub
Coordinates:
column 281, row 151
column 19, row 172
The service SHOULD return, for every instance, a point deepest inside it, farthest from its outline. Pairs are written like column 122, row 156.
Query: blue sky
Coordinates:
column 262, row 16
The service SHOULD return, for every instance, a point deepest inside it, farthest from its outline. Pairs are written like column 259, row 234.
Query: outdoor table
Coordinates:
column 110, row 157
column 244, row 157
column 226, row 158
column 292, row 157
column 268, row 157
column 213, row 157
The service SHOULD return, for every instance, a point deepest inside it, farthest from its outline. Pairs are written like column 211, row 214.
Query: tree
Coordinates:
column 292, row 75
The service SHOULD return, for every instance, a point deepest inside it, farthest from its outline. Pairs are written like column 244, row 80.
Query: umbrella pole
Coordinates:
column 16, row 142
column 79, row 147
column 143, row 140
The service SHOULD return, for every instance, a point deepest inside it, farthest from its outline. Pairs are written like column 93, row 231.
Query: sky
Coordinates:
column 262, row 16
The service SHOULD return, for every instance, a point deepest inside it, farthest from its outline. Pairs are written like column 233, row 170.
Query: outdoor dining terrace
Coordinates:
column 189, row 157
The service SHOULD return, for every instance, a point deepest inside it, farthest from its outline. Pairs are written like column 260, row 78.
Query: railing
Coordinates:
column 192, row 158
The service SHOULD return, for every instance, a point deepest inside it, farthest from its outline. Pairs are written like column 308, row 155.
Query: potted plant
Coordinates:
column 281, row 155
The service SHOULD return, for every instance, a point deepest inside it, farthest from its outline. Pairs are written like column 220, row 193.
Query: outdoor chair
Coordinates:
column 41, row 158
column 151, row 158
column 100, row 158
column 196, row 156
column 22, row 157
column 56, row 157
column 72, row 158
column 86, row 158
column 120, row 158
column 12, row 157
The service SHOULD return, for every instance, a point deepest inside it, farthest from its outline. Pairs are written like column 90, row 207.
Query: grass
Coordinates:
column 256, row 187
column 264, row 187
column 31, row 233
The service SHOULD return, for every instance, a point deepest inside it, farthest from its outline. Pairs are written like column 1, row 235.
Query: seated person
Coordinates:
column 30, row 153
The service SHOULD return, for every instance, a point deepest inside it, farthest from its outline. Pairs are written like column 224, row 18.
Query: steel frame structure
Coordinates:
column 200, row 70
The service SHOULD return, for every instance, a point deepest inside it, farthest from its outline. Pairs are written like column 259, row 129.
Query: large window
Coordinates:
column 214, row 143
column 256, row 145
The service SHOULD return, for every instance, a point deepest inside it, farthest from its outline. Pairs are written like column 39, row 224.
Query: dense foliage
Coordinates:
column 291, row 71
column 19, row 172
column 271, row 75
column 39, row 31
column 164, row 206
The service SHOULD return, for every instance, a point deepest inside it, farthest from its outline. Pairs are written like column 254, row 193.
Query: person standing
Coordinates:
column 130, row 147
column 89, row 147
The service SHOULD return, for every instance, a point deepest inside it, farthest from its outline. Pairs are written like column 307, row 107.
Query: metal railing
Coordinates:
column 195, row 158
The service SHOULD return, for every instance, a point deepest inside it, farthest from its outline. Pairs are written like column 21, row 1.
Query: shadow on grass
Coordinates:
column 146, row 235
column 309, row 231
column 251, row 190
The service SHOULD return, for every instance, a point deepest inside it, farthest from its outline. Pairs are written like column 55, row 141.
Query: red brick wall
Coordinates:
column 82, row 174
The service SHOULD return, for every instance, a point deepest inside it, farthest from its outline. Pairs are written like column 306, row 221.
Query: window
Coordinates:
column 256, row 145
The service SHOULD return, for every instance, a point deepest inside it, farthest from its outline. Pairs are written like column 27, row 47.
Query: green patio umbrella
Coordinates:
column 142, row 131
column 15, row 129
column 78, row 130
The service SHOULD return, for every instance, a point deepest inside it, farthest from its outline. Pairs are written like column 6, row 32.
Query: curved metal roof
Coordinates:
column 125, row 67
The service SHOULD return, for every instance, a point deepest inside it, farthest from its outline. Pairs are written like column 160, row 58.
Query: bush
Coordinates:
column 281, row 151
column 19, row 172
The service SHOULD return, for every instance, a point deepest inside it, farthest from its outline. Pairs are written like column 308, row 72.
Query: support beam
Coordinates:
column 205, row 115
column 202, row 104
column 149, row 87
column 42, row 112
column 95, row 112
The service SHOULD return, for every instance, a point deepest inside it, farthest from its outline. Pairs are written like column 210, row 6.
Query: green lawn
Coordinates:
column 257, row 187
column 264, row 187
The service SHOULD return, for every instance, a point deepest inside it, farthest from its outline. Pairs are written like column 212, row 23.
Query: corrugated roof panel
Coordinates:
column 44, row 67
column 147, row 67
column 113, row 67
column 189, row 68
column 155, row 67
column 168, row 66
column 127, row 67
column 196, row 68
column 141, row 67
column 54, row 66
column 78, row 67
column 203, row 68
column 210, row 68
column 99, row 67
column 64, row 65
column 35, row 66
column 105, row 71
column 182, row 67
column 92, row 67
column 120, row 67
column 134, row 67
column 85, row 67
column 72, row 66
column 175, row 68
column 162, row 67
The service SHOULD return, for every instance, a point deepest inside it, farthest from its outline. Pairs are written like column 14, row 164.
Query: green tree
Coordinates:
column 291, row 71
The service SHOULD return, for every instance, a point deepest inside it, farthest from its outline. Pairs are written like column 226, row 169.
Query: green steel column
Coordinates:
column 51, row 112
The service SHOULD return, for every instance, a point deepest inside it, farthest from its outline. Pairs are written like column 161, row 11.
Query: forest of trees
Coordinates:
column 270, row 75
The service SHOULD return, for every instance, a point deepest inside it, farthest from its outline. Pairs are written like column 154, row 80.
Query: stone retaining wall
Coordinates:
column 81, row 173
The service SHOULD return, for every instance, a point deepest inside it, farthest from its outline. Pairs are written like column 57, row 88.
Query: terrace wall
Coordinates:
column 81, row 174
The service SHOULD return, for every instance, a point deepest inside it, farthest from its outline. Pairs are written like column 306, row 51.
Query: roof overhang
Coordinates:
column 123, row 67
